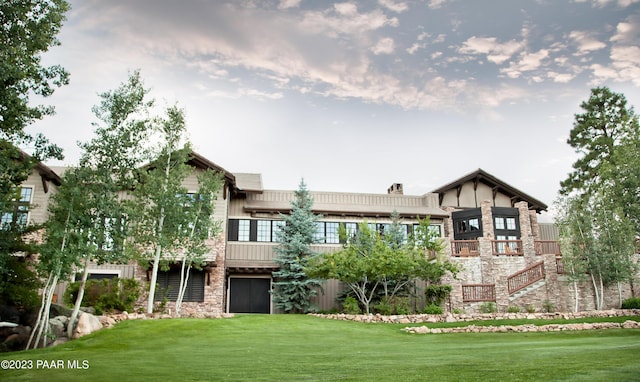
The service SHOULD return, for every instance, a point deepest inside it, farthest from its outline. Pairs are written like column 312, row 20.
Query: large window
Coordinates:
column 325, row 232
column 169, row 285
column 19, row 213
column 467, row 224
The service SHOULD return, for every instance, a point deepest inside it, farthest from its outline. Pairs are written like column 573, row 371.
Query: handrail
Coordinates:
column 525, row 277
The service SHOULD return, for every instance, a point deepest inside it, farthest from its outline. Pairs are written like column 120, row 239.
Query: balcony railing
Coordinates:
column 464, row 248
column 559, row 265
column 525, row 277
column 478, row 292
column 507, row 247
column 546, row 247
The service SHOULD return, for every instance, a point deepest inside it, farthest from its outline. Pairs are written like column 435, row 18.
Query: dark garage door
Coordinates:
column 249, row 295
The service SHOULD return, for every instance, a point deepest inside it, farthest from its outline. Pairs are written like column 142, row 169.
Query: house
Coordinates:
column 488, row 226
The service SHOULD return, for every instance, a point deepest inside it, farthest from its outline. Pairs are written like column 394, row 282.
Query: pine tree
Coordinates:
column 293, row 289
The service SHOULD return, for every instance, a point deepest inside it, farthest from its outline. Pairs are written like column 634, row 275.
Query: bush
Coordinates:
column 631, row 303
column 548, row 307
column 384, row 307
column 350, row 306
column 432, row 309
column 18, row 284
column 436, row 293
column 458, row 311
column 403, row 305
column 513, row 309
column 530, row 308
column 488, row 307
column 106, row 295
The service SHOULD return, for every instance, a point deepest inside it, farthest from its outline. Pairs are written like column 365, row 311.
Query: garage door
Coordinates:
column 249, row 295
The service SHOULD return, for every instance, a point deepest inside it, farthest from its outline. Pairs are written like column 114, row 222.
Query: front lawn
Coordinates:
column 305, row 348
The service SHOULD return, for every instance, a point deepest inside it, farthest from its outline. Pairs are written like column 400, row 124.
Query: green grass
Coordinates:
column 304, row 348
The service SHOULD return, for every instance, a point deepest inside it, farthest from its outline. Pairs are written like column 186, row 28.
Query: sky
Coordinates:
column 354, row 96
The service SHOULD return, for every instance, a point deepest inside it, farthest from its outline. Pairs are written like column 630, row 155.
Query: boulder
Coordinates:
column 87, row 324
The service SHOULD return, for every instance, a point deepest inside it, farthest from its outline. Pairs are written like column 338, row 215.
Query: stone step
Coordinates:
column 526, row 290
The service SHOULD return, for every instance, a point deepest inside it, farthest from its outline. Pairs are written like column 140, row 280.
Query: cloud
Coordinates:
column 624, row 65
column 586, row 42
column 435, row 4
column 384, row 46
column 495, row 51
column 604, row 3
column 528, row 62
column 398, row 7
column 286, row 4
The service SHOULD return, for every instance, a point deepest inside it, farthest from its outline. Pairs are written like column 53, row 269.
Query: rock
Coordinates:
column 107, row 321
column 87, row 324
column 57, row 327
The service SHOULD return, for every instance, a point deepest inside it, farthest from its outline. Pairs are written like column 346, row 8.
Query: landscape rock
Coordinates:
column 87, row 324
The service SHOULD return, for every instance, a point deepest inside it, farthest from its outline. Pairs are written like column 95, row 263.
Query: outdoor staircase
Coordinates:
column 527, row 289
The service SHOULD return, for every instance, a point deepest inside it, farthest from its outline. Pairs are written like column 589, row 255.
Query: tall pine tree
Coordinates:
column 293, row 289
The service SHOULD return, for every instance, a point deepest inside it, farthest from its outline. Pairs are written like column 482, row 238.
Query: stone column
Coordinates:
column 487, row 219
column 526, row 233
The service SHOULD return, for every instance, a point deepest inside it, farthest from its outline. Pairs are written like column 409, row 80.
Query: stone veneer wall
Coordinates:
column 214, row 288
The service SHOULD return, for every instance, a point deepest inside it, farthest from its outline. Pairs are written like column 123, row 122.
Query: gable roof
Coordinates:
column 498, row 185
column 45, row 172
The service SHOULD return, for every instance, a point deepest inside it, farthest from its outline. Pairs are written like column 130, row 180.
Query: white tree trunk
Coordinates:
column 184, row 279
column 154, row 277
column 79, row 297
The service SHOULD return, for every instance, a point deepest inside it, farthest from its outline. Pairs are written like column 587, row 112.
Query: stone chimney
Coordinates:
column 395, row 189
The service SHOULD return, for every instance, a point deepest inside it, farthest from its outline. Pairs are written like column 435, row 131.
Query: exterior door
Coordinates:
column 249, row 295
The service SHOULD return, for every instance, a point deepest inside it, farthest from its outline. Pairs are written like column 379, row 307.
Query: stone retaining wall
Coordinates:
column 449, row 317
column 629, row 324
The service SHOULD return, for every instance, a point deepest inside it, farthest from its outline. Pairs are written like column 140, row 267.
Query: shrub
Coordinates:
column 402, row 305
column 18, row 284
column 436, row 293
column 458, row 311
column 548, row 307
column 631, row 303
column 513, row 309
column 350, row 306
column 384, row 307
column 530, row 308
column 432, row 309
column 488, row 307
column 106, row 295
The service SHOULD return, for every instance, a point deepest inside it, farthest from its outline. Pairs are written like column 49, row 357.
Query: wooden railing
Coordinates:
column 525, row 277
column 545, row 247
column 507, row 247
column 559, row 265
column 478, row 292
column 464, row 248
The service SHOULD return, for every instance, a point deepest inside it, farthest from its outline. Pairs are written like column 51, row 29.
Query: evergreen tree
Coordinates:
column 293, row 289
column 600, row 199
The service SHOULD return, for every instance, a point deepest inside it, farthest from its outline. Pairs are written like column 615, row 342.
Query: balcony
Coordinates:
column 478, row 292
column 547, row 247
column 507, row 247
column 464, row 248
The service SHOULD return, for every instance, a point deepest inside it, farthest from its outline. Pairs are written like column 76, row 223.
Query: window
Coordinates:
column 278, row 227
column 169, row 284
column 331, row 229
column 499, row 223
column 19, row 213
column 511, row 223
column 264, row 230
column 243, row 230
column 318, row 237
